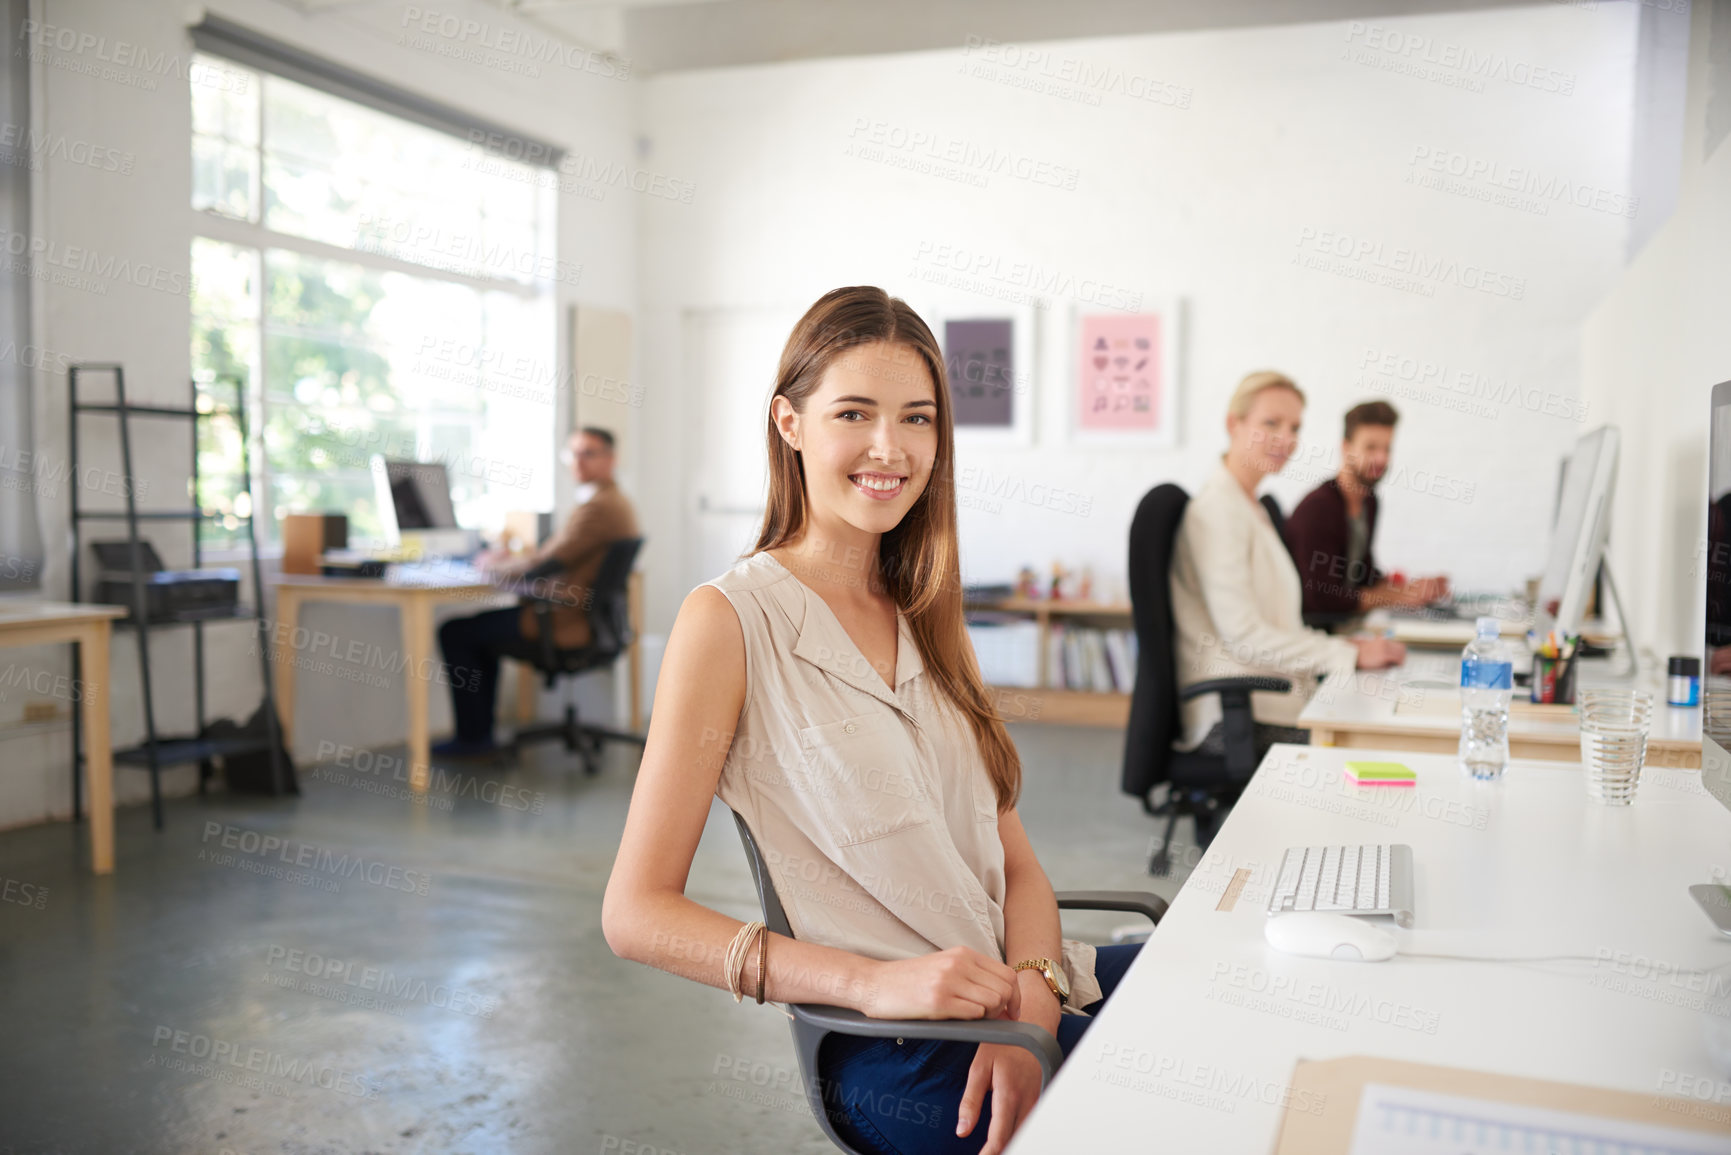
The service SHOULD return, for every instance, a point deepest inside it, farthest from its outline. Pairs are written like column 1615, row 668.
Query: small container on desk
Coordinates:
column 1554, row 679
column 1683, row 681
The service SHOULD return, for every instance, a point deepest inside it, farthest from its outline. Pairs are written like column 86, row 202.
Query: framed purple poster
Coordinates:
column 989, row 357
column 980, row 360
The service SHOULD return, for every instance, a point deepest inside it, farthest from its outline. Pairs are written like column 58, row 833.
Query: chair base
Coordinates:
column 1207, row 809
column 580, row 738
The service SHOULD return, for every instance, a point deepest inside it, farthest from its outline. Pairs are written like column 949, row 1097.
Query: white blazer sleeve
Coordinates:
column 1221, row 547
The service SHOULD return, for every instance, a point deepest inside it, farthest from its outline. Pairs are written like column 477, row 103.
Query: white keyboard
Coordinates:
column 1374, row 879
column 435, row 573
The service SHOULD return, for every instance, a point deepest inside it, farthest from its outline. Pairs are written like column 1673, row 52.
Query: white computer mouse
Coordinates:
column 1321, row 934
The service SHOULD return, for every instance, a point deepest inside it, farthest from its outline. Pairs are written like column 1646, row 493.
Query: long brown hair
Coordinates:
column 919, row 564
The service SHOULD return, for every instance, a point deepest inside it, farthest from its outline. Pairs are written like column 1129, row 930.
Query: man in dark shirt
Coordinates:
column 1330, row 532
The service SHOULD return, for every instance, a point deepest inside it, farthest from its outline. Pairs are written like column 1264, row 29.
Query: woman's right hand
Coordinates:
column 957, row 983
column 1375, row 653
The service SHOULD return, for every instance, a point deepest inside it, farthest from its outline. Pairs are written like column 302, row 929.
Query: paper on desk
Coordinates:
column 1335, row 1088
column 1408, row 1121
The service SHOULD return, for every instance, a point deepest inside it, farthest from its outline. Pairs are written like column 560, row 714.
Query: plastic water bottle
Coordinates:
column 1487, row 684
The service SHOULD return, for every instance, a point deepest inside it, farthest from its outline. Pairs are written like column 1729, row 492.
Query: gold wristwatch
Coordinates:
column 1053, row 975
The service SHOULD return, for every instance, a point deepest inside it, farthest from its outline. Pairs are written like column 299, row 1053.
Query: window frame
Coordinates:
column 212, row 224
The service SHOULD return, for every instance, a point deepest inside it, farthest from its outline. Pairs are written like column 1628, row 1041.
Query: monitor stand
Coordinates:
column 1627, row 646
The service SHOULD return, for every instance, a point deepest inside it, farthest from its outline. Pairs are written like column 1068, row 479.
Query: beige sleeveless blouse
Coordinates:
column 872, row 806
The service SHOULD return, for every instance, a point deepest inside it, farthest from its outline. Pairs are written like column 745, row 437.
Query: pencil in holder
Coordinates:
column 1553, row 680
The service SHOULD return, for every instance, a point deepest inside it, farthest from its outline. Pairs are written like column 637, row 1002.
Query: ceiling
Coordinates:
column 681, row 35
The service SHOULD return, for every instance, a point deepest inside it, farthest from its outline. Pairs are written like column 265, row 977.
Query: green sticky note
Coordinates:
column 1381, row 774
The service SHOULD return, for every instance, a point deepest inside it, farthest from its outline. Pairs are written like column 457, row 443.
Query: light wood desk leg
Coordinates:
column 526, row 679
column 98, row 747
column 634, row 661
column 417, row 618
column 283, row 655
column 1321, row 737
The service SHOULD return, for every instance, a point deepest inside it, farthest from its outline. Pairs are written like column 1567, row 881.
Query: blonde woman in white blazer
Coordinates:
column 1237, row 599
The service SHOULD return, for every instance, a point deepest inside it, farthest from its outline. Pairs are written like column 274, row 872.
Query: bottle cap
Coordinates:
column 1679, row 667
column 1488, row 628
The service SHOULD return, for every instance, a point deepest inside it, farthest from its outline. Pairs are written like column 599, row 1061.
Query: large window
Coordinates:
column 377, row 288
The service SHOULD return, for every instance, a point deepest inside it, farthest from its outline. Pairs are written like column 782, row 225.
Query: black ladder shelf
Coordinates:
column 155, row 752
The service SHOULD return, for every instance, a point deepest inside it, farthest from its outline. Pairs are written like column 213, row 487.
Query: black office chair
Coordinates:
column 1204, row 786
column 609, row 636
column 1278, row 518
column 813, row 1023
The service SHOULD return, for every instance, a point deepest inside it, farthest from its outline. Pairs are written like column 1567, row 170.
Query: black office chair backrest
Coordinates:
column 610, row 604
column 1154, row 700
column 774, row 917
column 1274, row 515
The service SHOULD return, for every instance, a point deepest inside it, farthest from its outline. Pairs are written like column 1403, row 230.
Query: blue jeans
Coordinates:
column 893, row 1098
column 472, row 647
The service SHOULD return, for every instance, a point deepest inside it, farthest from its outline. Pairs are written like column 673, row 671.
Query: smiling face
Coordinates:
column 1266, row 437
column 868, row 438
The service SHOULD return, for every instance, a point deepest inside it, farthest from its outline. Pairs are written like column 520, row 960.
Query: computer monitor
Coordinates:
column 1716, row 669
column 415, row 502
column 420, row 495
column 1578, row 534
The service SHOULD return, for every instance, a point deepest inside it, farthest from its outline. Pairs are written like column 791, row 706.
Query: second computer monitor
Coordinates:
column 1578, row 535
column 420, row 495
column 1716, row 665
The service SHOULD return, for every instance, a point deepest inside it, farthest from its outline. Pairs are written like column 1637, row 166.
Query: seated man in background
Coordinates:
column 472, row 646
column 1331, row 531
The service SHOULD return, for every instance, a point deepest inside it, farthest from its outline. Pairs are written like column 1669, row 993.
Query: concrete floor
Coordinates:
column 223, row 998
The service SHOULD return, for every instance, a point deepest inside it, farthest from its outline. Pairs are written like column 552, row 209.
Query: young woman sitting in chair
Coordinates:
column 825, row 689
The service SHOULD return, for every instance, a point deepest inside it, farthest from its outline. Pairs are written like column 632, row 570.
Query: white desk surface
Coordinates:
column 1196, row 1047
column 1446, row 632
column 31, row 611
column 1422, row 696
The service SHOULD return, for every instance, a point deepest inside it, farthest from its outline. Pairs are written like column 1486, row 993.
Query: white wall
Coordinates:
column 143, row 216
column 1651, row 354
column 1288, row 133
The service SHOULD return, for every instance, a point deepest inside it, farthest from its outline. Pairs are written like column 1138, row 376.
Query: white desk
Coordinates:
column 1453, row 634
column 1524, row 866
column 1416, row 707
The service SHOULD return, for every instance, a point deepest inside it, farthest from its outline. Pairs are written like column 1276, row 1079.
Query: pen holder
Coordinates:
column 1553, row 680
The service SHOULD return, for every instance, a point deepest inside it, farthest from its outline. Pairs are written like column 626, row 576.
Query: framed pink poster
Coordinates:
column 1126, row 386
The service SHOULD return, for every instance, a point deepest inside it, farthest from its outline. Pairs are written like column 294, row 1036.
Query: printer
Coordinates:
column 169, row 595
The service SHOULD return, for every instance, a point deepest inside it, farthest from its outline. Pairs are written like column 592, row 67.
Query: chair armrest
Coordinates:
column 1135, row 901
column 1238, row 726
column 544, row 569
column 1235, row 686
column 1003, row 1032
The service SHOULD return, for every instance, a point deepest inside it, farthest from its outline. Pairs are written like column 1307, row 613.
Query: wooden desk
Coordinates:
column 34, row 623
column 414, row 602
column 1416, row 706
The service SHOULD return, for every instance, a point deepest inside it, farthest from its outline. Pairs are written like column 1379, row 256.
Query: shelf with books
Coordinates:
column 1064, row 662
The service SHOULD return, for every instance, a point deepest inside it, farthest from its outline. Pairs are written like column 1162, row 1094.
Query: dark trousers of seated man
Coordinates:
column 472, row 647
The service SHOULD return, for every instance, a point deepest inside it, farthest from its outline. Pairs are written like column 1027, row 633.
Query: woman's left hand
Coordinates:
column 1012, row 1075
